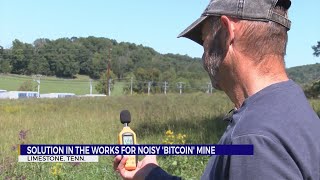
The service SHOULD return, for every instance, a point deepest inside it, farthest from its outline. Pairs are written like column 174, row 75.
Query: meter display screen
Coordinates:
column 127, row 139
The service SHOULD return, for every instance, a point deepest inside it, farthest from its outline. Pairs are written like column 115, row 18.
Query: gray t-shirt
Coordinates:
column 285, row 133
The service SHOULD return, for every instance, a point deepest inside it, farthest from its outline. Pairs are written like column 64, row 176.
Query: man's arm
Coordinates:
column 159, row 174
column 271, row 160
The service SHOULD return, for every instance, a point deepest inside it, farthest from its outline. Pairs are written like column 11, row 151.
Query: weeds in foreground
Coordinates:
column 175, row 119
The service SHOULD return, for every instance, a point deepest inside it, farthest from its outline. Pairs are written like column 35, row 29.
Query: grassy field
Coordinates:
column 79, row 86
column 96, row 121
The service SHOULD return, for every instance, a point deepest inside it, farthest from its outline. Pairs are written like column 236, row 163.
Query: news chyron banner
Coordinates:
column 91, row 153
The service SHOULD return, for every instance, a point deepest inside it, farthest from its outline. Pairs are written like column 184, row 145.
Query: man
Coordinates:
column 244, row 45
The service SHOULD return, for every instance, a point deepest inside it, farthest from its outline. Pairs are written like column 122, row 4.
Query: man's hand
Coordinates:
column 144, row 167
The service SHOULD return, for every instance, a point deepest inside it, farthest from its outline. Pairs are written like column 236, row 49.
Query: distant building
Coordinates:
column 93, row 95
column 57, row 95
column 18, row 94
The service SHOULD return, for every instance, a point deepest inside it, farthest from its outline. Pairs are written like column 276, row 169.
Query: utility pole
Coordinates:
column 90, row 86
column 165, row 87
column 149, row 87
column 208, row 87
column 131, row 85
column 37, row 79
column 109, row 87
column 108, row 73
column 180, row 86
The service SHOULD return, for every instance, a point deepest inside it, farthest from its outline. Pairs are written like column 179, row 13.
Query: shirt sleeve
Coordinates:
column 271, row 160
column 159, row 174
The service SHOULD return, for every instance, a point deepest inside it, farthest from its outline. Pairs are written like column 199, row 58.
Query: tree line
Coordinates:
column 312, row 90
column 67, row 57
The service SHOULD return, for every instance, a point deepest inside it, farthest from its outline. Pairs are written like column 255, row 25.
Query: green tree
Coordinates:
column 39, row 65
column 305, row 74
column 316, row 49
column 102, row 84
column 122, row 65
column 83, row 57
column 96, row 65
column 40, row 43
column 21, row 54
column 5, row 66
column 27, row 86
column 313, row 91
column 61, row 56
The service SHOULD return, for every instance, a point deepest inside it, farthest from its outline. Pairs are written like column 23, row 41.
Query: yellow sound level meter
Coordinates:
column 128, row 137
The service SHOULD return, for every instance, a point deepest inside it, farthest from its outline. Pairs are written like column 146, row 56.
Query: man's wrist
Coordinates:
column 149, row 169
column 157, row 173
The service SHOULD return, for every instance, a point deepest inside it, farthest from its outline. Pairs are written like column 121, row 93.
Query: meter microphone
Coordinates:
column 128, row 137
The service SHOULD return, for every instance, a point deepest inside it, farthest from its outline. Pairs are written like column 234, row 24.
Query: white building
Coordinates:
column 57, row 95
column 93, row 95
column 18, row 94
column 2, row 90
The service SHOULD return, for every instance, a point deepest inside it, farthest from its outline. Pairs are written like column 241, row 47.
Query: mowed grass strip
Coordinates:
column 79, row 86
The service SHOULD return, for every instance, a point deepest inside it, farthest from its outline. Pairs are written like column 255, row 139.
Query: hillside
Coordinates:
column 305, row 74
column 90, row 56
column 67, row 58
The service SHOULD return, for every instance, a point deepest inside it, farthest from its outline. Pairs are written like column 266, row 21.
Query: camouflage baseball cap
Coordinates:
column 257, row 10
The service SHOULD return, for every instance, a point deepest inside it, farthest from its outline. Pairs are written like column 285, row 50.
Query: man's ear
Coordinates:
column 229, row 25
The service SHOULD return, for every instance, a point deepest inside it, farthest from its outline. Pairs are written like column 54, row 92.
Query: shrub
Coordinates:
column 27, row 86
